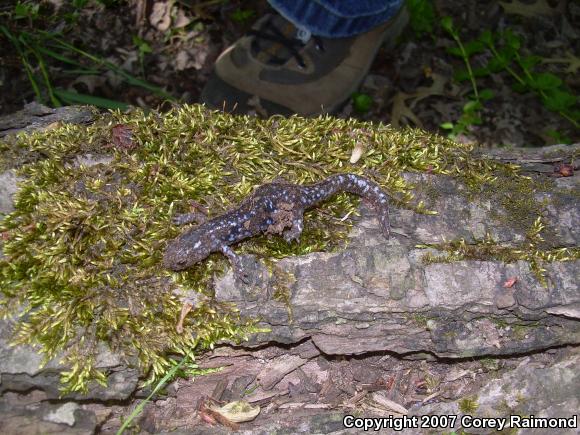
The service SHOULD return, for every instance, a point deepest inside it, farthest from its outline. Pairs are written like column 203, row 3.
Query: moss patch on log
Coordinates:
column 82, row 250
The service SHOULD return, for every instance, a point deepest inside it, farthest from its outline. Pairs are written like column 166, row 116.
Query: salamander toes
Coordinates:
column 385, row 226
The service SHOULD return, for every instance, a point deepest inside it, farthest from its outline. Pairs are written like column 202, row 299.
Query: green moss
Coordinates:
column 468, row 405
column 420, row 319
column 280, row 285
column 490, row 364
column 488, row 249
column 84, row 244
column 450, row 335
column 520, row 330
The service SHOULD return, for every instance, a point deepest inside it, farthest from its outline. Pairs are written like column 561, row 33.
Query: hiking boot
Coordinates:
column 271, row 72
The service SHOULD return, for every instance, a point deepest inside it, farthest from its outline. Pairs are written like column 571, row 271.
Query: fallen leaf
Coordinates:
column 564, row 170
column 181, row 20
column 389, row 404
column 160, row 17
column 239, row 411
column 570, row 59
column 539, row 7
column 52, row 126
column 357, row 152
column 122, row 137
column 90, row 81
column 193, row 57
column 403, row 110
column 185, row 309
column 57, row 4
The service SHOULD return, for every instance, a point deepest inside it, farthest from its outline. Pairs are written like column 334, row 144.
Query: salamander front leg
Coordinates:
column 385, row 222
column 198, row 216
column 236, row 263
column 297, row 226
column 188, row 218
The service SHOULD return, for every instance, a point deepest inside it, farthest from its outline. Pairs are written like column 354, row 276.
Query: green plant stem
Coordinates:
column 507, row 67
column 529, row 76
column 55, row 102
column 467, row 64
column 159, row 385
column 542, row 93
column 130, row 79
column 24, row 59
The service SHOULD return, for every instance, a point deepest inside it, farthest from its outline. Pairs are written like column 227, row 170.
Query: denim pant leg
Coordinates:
column 336, row 18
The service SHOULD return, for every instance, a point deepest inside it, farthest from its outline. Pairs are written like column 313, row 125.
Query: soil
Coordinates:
column 412, row 84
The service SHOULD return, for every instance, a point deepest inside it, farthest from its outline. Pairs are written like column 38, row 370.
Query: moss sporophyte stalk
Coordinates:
column 83, row 247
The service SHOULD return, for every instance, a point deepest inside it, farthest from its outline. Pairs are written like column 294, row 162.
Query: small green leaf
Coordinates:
column 546, row 81
column 512, row 40
column 461, row 75
column 76, row 98
column 22, row 10
column 476, row 120
column 558, row 137
column 486, row 37
column 507, row 53
column 455, row 51
column 79, row 4
column 520, row 88
column 142, row 45
column 486, row 94
column 471, row 106
column 361, row 102
column 529, row 62
column 473, row 47
column 447, row 24
column 558, row 100
column 446, row 126
column 422, row 16
column 242, row 15
column 481, row 72
column 497, row 64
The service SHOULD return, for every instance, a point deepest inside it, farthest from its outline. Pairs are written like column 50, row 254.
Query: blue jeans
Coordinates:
column 336, row 18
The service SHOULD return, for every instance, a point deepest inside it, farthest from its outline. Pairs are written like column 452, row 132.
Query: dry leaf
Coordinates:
column 57, row 4
column 160, row 17
column 238, row 411
column 403, row 110
column 389, row 404
column 570, row 59
column 564, row 169
column 357, row 152
column 185, row 309
column 181, row 20
column 91, row 82
column 122, row 137
column 539, row 7
column 193, row 57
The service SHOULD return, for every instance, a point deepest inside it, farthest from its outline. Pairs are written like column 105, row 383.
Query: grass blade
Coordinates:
column 25, row 62
column 169, row 375
column 76, row 98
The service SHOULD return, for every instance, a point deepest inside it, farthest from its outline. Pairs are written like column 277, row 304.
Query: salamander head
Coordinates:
column 186, row 250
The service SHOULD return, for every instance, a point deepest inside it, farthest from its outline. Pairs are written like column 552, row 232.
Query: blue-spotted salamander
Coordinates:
column 274, row 208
